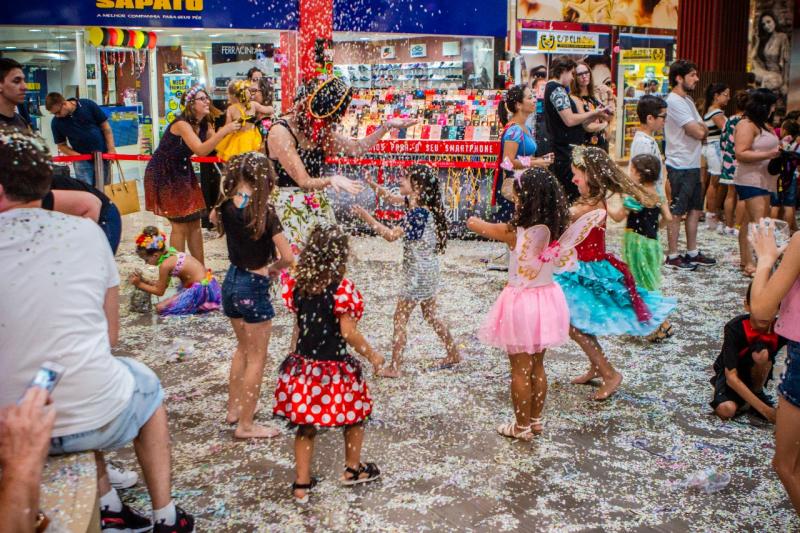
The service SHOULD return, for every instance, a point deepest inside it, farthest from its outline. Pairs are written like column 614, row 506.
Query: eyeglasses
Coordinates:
column 662, row 115
column 201, row 99
column 583, row 73
column 540, row 74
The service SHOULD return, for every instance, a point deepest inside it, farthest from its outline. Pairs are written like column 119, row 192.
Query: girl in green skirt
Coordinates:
column 641, row 249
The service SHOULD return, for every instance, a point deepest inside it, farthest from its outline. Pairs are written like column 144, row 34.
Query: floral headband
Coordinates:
column 579, row 156
column 151, row 243
column 192, row 93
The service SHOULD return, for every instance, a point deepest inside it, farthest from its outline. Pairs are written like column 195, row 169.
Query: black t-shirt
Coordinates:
column 243, row 251
column 16, row 120
column 320, row 336
column 556, row 99
column 66, row 183
column 738, row 345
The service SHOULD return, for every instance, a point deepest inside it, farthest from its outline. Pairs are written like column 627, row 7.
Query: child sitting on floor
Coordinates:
column 744, row 366
column 199, row 291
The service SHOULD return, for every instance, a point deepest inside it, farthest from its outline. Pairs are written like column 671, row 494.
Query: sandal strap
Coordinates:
column 353, row 471
column 305, row 486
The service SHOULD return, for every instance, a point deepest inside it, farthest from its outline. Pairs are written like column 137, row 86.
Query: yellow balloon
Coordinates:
column 139, row 39
column 95, row 36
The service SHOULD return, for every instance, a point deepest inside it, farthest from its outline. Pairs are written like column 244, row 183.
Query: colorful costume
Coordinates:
column 171, row 188
column 247, row 139
column 420, row 263
column 321, row 384
column 531, row 313
column 300, row 210
column 200, row 297
column 602, row 295
column 641, row 249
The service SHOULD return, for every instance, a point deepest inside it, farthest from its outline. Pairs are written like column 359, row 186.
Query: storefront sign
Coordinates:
column 644, row 55
column 436, row 147
column 641, row 13
column 174, row 87
column 566, row 42
column 231, row 52
column 388, row 52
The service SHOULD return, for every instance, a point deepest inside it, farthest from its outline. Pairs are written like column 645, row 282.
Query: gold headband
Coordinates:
column 335, row 108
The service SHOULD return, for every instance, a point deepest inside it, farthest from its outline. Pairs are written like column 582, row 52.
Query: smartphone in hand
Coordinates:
column 48, row 376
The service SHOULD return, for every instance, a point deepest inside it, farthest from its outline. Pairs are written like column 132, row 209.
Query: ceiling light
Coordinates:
column 215, row 35
column 33, row 29
column 198, row 29
column 176, row 35
column 11, row 47
column 157, row 31
column 62, row 37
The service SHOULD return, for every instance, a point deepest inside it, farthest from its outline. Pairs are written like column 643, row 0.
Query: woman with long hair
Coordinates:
column 755, row 144
column 582, row 91
column 728, row 149
column 298, row 142
column 771, row 55
column 717, row 97
column 171, row 188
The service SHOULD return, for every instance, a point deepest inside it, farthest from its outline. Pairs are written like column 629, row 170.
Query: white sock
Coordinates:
column 166, row 514
column 692, row 253
column 111, row 501
column 673, row 256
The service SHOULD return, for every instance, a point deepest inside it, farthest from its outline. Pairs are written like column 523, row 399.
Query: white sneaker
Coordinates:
column 732, row 231
column 721, row 229
column 121, row 478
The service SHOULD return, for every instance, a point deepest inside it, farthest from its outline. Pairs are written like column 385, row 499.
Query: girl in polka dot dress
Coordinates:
column 320, row 384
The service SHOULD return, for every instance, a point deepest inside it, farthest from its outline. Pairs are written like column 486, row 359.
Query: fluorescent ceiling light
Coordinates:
column 33, row 29
column 11, row 47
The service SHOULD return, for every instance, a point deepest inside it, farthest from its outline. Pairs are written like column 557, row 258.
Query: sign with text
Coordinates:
column 641, row 13
column 232, row 52
column 644, row 55
column 564, row 42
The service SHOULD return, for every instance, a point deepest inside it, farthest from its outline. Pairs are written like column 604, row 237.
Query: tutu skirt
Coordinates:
column 321, row 393
column 644, row 257
column 600, row 303
column 239, row 142
column 527, row 320
column 201, row 297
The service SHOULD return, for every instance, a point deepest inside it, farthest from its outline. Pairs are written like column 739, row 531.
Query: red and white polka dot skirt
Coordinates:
column 322, row 393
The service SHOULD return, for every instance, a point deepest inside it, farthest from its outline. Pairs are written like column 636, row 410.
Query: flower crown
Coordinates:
column 192, row 93
column 151, row 243
column 579, row 156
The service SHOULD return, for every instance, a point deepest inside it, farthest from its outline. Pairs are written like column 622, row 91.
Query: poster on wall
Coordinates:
column 418, row 50
column 174, row 87
column 794, row 70
column 231, row 61
column 642, row 13
column 478, row 63
column 770, row 45
column 388, row 52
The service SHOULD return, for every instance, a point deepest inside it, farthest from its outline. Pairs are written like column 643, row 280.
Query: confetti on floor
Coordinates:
column 613, row 466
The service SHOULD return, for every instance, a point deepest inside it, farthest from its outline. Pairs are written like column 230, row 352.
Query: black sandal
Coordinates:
column 371, row 469
column 308, row 487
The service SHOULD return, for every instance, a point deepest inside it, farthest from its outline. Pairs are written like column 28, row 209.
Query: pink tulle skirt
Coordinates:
column 527, row 320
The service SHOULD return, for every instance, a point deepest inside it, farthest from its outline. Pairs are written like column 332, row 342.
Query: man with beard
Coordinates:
column 685, row 132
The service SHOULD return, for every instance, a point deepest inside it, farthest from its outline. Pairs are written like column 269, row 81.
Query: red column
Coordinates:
column 316, row 22
column 288, row 47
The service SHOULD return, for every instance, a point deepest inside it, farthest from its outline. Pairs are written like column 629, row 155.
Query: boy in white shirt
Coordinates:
column 652, row 111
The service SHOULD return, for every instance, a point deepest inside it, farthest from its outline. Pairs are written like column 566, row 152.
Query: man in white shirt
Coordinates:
column 60, row 303
column 684, row 131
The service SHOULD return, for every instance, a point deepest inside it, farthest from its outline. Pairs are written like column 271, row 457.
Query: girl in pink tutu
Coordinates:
column 531, row 313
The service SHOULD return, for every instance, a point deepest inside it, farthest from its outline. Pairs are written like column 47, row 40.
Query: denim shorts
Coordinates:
column 787, row 197
column 245, row 295
column 746, row 192
column 147, row 397
column 686, row 189
column 790, row 379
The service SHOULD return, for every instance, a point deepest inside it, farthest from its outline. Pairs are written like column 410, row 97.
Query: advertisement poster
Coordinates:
column 174, row 87
column 770, row 45
column 794, row 70
column 642, row 13
column 566, row 42
column 231, row 61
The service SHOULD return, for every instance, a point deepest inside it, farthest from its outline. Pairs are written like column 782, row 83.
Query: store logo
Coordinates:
column 155, row 5
column 547, row 42
column 658, row 54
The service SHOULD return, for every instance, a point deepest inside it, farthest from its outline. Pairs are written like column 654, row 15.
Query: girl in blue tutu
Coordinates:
column 601, row 293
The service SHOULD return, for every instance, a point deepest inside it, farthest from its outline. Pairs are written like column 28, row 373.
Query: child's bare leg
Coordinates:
column 401, row 315
column 538, row 389
column 303, row 454
column 726, row 410
column 442, row 330
column 760, row 370
column 256, row 340
column 521, row 388
column 353, row 440
column 787, row 453
column 600, row 365
column 236, row 376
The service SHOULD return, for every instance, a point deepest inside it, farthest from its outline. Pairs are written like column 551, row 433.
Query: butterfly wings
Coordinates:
column 534, row 248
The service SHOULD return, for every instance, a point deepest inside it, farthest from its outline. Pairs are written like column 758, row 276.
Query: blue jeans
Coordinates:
column 790, row 380
column 147, row 397
column 84, row 171
column 245, row 295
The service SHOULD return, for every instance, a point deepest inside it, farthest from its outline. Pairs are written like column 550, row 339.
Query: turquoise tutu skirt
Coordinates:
column 600, row 300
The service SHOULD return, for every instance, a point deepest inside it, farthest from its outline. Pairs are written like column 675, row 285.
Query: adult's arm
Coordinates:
column 561, row 101
column 25, row 431
column 66, row 150
column 109, row 136
column 198, row 147
column 281, row 144
column 769, row 289
column 77, row 203
column 720, row 120
column 342, row 144
column 111, row 310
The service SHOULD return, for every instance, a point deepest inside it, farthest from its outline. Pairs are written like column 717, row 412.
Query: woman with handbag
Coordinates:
column 171, row 188
column 517, row 152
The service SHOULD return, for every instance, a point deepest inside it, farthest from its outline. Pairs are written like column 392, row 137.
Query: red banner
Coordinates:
column 465, row 148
